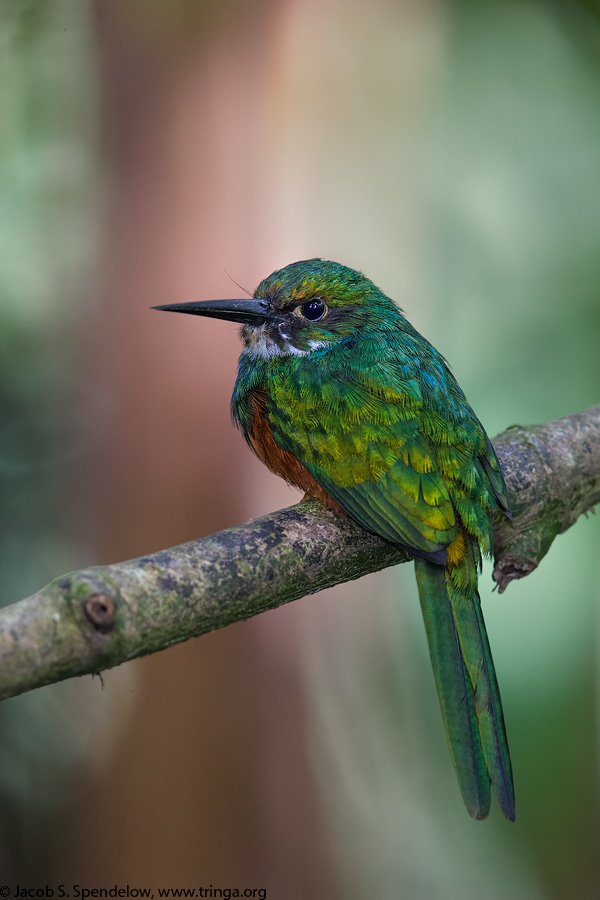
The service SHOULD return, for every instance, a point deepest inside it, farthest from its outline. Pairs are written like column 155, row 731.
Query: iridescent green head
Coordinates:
column 303, row 307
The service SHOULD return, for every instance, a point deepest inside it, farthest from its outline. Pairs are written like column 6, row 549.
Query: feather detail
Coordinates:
column 279, row 461
column 466, row 681
column 454, row 688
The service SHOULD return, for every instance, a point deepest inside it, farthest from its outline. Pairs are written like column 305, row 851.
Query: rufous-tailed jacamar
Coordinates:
column 341, row 396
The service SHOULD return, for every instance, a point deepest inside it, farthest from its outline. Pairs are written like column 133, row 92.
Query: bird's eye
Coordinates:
column 313, row 310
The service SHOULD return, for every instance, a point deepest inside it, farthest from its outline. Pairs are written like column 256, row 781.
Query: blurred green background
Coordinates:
column 148, row 152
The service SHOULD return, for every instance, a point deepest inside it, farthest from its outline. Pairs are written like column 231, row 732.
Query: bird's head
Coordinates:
column 304, row 307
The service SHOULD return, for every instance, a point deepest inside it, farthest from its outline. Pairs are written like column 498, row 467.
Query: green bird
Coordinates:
column 339, row 395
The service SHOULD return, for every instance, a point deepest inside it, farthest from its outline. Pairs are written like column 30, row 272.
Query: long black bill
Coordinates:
column 248, row 311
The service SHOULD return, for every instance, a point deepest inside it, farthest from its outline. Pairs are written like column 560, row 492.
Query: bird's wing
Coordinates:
column 365, row 447
column 491, row 466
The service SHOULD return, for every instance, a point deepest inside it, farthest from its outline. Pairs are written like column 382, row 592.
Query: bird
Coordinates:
column 338, row 394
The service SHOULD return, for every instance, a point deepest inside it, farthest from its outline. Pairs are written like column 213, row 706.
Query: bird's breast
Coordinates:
column 279, row 461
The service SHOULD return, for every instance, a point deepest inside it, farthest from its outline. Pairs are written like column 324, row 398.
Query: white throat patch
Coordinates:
column 260, row 344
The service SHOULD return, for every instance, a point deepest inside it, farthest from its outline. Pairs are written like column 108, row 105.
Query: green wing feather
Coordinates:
column 401, row 504
column 369, row 454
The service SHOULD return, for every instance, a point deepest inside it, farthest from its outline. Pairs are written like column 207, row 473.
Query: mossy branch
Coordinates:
column 100, row 617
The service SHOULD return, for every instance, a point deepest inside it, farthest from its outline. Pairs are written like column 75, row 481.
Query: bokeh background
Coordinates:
column 151, row 152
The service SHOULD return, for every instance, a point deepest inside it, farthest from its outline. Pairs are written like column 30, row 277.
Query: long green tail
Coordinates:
column 467, row 688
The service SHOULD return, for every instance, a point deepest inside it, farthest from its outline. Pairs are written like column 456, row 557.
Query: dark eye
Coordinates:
column 313, row 310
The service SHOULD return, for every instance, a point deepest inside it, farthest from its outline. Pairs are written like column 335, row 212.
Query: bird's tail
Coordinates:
column 466, row 680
